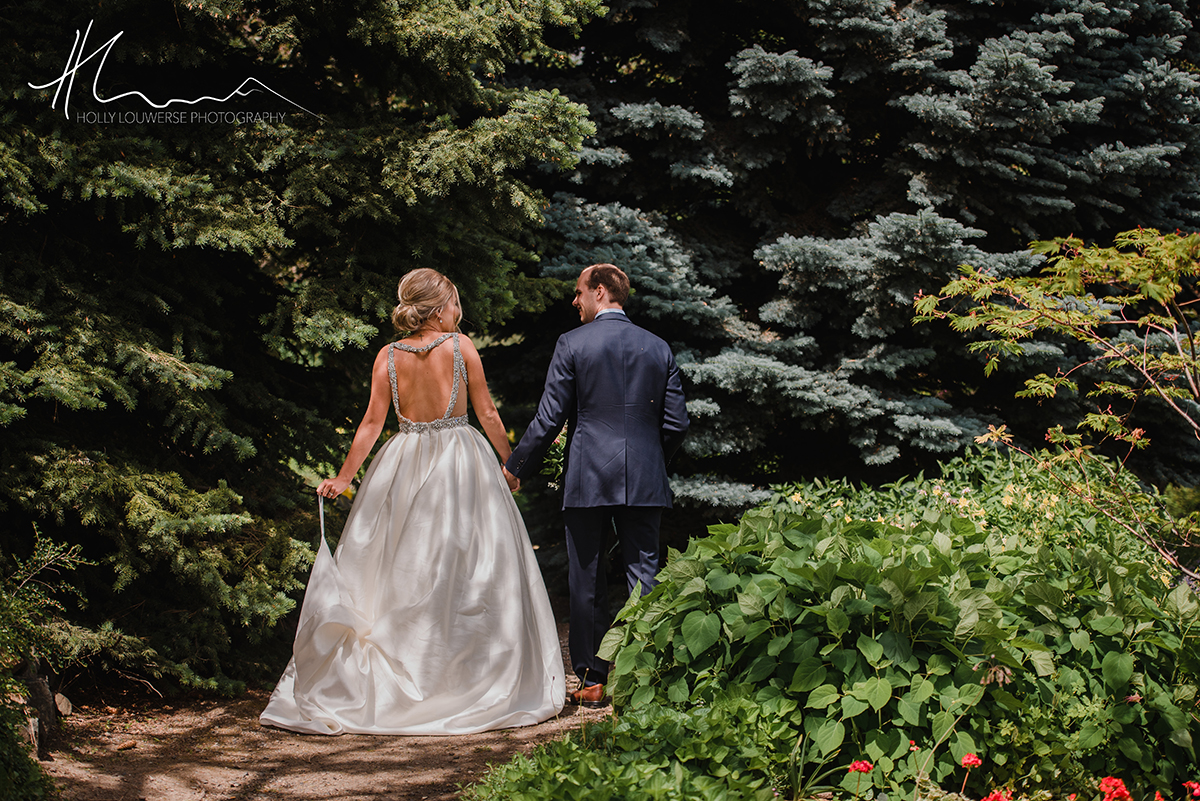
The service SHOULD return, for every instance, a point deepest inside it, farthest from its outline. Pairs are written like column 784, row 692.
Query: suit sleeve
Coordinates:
column 558, row 401
column 675, row 419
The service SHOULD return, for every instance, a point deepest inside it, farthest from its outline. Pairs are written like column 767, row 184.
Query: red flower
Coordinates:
column 971, row 761
column 1158, row 796
column 1194, row 787
column 1114, row 789
column 998, row 795
column 860, row 766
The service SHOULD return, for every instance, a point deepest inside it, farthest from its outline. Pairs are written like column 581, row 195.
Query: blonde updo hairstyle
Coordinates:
column 423, row 293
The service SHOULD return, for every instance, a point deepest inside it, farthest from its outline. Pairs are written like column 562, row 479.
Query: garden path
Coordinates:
column 215, row 749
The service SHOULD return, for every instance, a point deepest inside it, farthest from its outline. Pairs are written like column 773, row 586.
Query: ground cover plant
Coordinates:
column 975, row 613
column 32, row 635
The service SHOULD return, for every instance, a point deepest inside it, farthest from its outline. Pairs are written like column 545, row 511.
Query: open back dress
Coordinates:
column 431, row 617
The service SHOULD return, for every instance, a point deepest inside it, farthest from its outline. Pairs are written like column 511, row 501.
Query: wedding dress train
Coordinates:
column 431, row 618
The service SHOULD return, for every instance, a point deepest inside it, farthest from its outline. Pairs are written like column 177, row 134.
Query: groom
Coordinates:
column 617, row 387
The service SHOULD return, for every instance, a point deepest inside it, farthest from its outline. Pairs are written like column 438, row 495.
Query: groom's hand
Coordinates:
column 514, row 483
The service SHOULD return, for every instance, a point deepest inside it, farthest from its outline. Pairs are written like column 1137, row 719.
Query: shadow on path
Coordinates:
column 216, row 750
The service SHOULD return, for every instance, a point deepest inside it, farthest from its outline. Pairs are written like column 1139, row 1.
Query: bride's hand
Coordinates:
column 332, row 487
column 514, row 483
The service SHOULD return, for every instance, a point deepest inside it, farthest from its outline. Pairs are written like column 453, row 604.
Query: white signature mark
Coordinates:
column 76, row 60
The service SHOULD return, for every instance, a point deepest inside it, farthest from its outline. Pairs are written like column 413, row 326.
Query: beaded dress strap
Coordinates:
column 460, row 366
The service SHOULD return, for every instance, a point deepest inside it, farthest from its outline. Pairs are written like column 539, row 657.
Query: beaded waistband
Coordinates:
column 409, row 427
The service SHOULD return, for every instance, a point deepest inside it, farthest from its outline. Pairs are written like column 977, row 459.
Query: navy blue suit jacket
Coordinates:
column 618, row 389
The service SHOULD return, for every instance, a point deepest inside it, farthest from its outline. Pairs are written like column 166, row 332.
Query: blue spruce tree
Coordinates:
column 781, row 179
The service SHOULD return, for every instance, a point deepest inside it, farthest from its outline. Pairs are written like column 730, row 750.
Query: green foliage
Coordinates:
column 1126, row 311
column 20, row 777
column 29, row 621
column 184, row 306
column 1056, row 655
column 722, row 752
column 1122, row 303
column 997, row 491
column 554, row 461
column 29, row 610
column 984, row 613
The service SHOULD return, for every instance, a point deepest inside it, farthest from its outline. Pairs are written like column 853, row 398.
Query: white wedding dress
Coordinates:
column 431, row 618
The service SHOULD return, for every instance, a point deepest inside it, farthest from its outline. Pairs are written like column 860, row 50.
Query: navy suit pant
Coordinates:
column 588, row 532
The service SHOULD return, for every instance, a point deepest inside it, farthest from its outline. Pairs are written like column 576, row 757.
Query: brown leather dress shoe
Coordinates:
column 591, row 697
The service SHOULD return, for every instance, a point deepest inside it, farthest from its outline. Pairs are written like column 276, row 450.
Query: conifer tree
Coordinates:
column 782, row 178
column 189, row 304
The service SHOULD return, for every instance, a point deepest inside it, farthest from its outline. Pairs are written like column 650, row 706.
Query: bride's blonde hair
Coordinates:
column 423, row 293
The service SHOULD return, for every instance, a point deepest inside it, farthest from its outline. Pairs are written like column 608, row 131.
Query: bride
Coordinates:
column 431, row 617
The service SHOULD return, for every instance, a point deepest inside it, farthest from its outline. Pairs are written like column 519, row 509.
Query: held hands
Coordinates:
column 332, row 487
column 514, row 483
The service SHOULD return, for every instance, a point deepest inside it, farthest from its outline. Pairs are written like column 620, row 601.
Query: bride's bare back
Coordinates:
column 424, row 385
column 425, row 381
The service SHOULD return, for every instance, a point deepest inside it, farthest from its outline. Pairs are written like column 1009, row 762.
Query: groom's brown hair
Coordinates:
column 612, row 278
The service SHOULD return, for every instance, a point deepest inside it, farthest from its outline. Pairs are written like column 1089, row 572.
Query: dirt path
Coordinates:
column 216, row 750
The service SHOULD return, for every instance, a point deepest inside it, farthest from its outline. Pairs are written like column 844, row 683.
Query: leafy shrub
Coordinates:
column 997, row 490
column 28, row 614
column 722, row 752
column 20, row 777
column 1058, row 663
column 980, row 612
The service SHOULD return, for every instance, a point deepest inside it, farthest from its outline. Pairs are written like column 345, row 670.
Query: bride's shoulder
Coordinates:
column 467, row 346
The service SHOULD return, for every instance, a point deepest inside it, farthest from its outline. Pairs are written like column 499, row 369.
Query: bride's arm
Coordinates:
column 482, row 403
column 368, row 430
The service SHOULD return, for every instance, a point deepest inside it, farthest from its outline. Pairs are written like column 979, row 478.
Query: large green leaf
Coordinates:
column 1090, row 736
column 1182, row 601
column 870, row 648
column 779, row 643
column 678, row 691
column 923, row 604
column 838, row 622
column 751, row 603
column 852, row 707
column 700, row 631
column 910, row 712
column 943, row 722
column 1043, row 662
column 879, row 692
column 1117, row 669
column 922, row 690
column 720, row 581
column 822, row 697
column 829, row 737
column 759, row 669
column 610, row 643
column 1107, row 624
column 1183, row 739
column 809, row 674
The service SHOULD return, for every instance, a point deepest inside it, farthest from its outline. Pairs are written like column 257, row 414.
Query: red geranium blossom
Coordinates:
column 1114, row 789
column 998, row 795
column 860, row 766
column 971, row 761
column 1194, row 787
